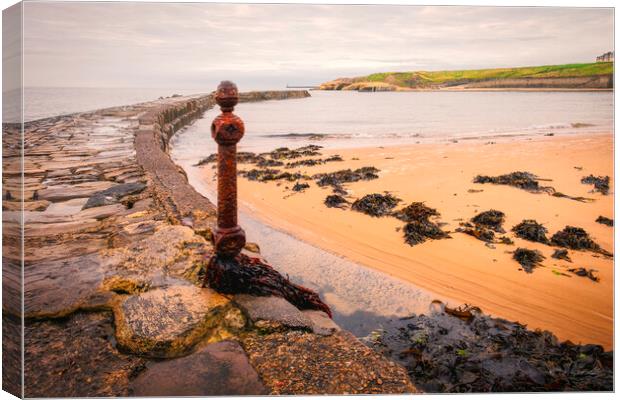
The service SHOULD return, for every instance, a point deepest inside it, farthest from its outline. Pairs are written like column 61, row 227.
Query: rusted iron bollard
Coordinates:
column 227, row 129
column 228, row 270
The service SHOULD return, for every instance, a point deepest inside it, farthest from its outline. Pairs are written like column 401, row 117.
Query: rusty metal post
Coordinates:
column 227, row 129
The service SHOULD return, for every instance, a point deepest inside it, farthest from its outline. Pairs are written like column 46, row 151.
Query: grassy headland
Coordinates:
column 593, row 75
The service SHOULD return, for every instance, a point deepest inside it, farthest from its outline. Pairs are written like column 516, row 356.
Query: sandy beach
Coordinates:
column 464, row 268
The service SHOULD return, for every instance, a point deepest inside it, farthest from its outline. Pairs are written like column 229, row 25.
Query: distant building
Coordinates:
column 607, row 57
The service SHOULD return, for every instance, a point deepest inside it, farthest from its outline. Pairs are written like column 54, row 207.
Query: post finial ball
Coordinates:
column 227, row 95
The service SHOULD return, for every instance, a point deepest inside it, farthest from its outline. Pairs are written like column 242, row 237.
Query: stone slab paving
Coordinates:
column 295, row 362
column 116, row 243
column 220, row 369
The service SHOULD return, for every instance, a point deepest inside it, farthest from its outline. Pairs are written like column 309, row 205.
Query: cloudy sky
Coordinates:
column 267, row 46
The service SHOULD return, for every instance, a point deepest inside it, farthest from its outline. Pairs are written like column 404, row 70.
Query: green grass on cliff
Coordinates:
column 430, row 78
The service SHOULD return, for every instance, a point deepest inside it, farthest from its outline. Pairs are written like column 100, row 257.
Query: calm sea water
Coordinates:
column 352, row 119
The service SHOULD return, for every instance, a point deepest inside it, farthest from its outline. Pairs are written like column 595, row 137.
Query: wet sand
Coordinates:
column 463, row 268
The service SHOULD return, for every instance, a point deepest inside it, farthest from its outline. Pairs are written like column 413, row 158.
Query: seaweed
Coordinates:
column 475, row 353
column 479, row 232
column 335, row 201
column 284, row 153
column 244, row 274
column 522, row 180
column 601, row 183
column 313, row 161
column 337, row 178
column 531, row 230
column 491, row 219
column 576, row 198
column 243, row 157
column 418, row 228
column 578, row 239
column 265, row 162
column 529, row 259
column 300, row 187
column 260, row 175
column 561, row 254
column 605, row 221
column 211, row 158
column 375, row 204
column 268, row 174
column 414, row 212
column 416, row 232
column 586, row 273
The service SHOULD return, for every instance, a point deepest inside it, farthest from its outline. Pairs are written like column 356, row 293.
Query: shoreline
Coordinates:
column 545, row 311
column 490, row 89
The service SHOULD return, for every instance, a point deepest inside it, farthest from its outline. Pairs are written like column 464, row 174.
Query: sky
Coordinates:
column 262, row 46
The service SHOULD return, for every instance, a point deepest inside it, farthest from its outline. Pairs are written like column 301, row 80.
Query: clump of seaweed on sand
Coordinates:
column 601, row 183
column 376, row 204
column 529, row 182
column 577, row 239
column 561, row 254
column 273, row 158
column 313, row 161
column 531, row 230
column 338, row 178
column 418, row 227
column 586, row 273
column 522, row 180
column 528, row 259
column 335, row 201
column 484, row 225
column 269, row 174
column 605, row 221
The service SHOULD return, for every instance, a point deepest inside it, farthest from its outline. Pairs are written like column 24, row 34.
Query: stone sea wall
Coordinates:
column 114, row 247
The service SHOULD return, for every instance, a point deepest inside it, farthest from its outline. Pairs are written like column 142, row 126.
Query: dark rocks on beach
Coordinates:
column 522, row 180
column 335, row 201
column 376, row 204
column 561, row 254
column 529, row 259
column 531, row 230
column 113, row 194
column 605, row 221
column 444, row 354
column 577, row 239
column 491, row 219
column 601, row 183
